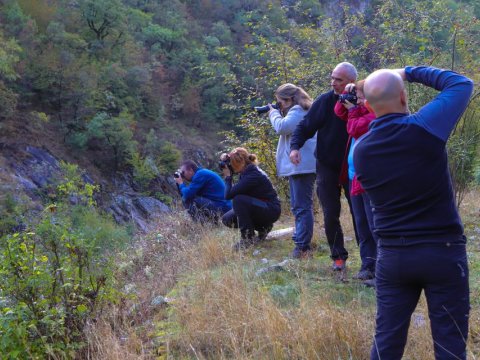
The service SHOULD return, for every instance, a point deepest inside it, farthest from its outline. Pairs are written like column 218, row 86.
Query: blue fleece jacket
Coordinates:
column 402, row 164
column 208, row 184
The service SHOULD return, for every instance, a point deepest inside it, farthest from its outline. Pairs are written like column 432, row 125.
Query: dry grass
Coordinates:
column 226, row 317
column 221, row 310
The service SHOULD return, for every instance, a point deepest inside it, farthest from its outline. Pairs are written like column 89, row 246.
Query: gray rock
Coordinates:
column 159, row 301
column 150, row 206
column 137, row 210
column 275, row 267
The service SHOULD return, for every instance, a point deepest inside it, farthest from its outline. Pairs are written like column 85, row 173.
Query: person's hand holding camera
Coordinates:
column 224, row 165
column 226, row 172
column 348, row 96
column 349, row 87
column 270, row 107
column 348, row 105
column 177, row 176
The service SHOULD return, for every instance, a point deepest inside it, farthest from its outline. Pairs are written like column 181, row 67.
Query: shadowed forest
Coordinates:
column 119, row 92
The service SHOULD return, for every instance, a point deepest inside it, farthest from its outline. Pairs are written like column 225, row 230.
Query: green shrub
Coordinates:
column 463, row 148
column 168, row 158
column 10, row 214
column 144, row 170
column 54, row 277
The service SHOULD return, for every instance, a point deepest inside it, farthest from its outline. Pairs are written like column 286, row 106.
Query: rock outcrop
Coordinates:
column 35, row 171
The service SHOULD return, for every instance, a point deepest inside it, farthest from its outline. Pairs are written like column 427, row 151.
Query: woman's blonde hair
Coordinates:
column 296, row 93
column 239, row 158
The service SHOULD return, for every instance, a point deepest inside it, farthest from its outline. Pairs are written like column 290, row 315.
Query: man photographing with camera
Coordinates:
column 402, row 164
column 330, row 149
column 203, row 197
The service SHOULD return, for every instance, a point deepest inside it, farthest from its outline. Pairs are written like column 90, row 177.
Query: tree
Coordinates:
column 106, row 19
column 9, row 57
column 116, row 133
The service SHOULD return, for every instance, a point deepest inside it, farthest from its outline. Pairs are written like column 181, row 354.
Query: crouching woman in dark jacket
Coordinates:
column 255, row 202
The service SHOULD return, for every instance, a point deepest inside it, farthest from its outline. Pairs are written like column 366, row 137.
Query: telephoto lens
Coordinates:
column 265, row 108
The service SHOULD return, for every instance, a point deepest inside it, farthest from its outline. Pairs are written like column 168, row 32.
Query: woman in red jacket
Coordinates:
column 358, row 118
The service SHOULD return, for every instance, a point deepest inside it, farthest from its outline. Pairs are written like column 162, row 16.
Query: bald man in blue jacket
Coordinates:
column 402, row 164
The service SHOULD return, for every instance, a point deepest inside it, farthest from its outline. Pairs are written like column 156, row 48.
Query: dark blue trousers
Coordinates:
column 203, row 209
column 301, row 201
column 402, row 272
column 364, row 223
column 329, row 192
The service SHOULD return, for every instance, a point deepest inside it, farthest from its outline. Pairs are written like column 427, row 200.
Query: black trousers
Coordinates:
column 329, row 192
column 441, row 271
column 367, row 240
column 250, row 214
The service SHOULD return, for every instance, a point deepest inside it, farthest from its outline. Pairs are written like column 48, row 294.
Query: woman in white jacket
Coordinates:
column 293, row 103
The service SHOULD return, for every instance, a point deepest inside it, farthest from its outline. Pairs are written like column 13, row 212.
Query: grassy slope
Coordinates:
column 219, row 308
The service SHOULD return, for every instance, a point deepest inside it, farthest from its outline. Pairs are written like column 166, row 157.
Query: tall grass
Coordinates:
column 219, row 308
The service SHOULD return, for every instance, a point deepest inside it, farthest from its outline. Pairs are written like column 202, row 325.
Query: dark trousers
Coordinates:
column 364, row 223
column 441, row 271
column 329, row 191
column 202, row 209
column 250, row 214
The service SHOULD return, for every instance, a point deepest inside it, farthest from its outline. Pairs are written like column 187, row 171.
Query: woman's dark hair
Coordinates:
column 296, row 93
column 191, row 165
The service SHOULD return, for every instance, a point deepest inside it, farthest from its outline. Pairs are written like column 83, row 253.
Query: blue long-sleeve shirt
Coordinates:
column 208, row 184
column 402, row 164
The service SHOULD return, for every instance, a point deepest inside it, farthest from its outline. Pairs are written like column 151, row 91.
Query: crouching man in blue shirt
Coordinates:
column 204, row 197
column 402, row 164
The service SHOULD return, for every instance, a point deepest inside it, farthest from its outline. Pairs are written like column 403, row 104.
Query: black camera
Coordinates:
column 177, row 174
column 351, row 97
column 265, row 108
column 225, row 163
column 222, row 164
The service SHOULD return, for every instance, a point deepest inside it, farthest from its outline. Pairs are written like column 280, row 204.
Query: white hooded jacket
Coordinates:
column 285, row 126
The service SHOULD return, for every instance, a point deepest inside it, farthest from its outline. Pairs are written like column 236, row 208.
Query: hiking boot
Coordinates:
column 301, row 253
column 364, row 275
column 338, row 265
column 370, row 283
column 262, row 234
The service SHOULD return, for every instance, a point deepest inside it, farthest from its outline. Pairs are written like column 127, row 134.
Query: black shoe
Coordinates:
column 370, row 283
column 262, row 234
column 364, row 275
column 301, row 253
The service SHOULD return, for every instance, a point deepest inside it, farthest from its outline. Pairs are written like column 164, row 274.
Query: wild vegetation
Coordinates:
column 216, row 304
column 132, row 86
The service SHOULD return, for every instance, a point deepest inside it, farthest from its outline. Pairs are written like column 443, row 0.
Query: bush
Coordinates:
column 8, row 102
column 463, row 148
column 10, row 215
column 144, row 170
column 55, row 277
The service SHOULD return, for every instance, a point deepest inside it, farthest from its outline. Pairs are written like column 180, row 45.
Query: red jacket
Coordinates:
column 358, row 118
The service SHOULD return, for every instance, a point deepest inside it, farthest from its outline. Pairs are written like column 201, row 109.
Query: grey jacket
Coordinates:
column 284, row 126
